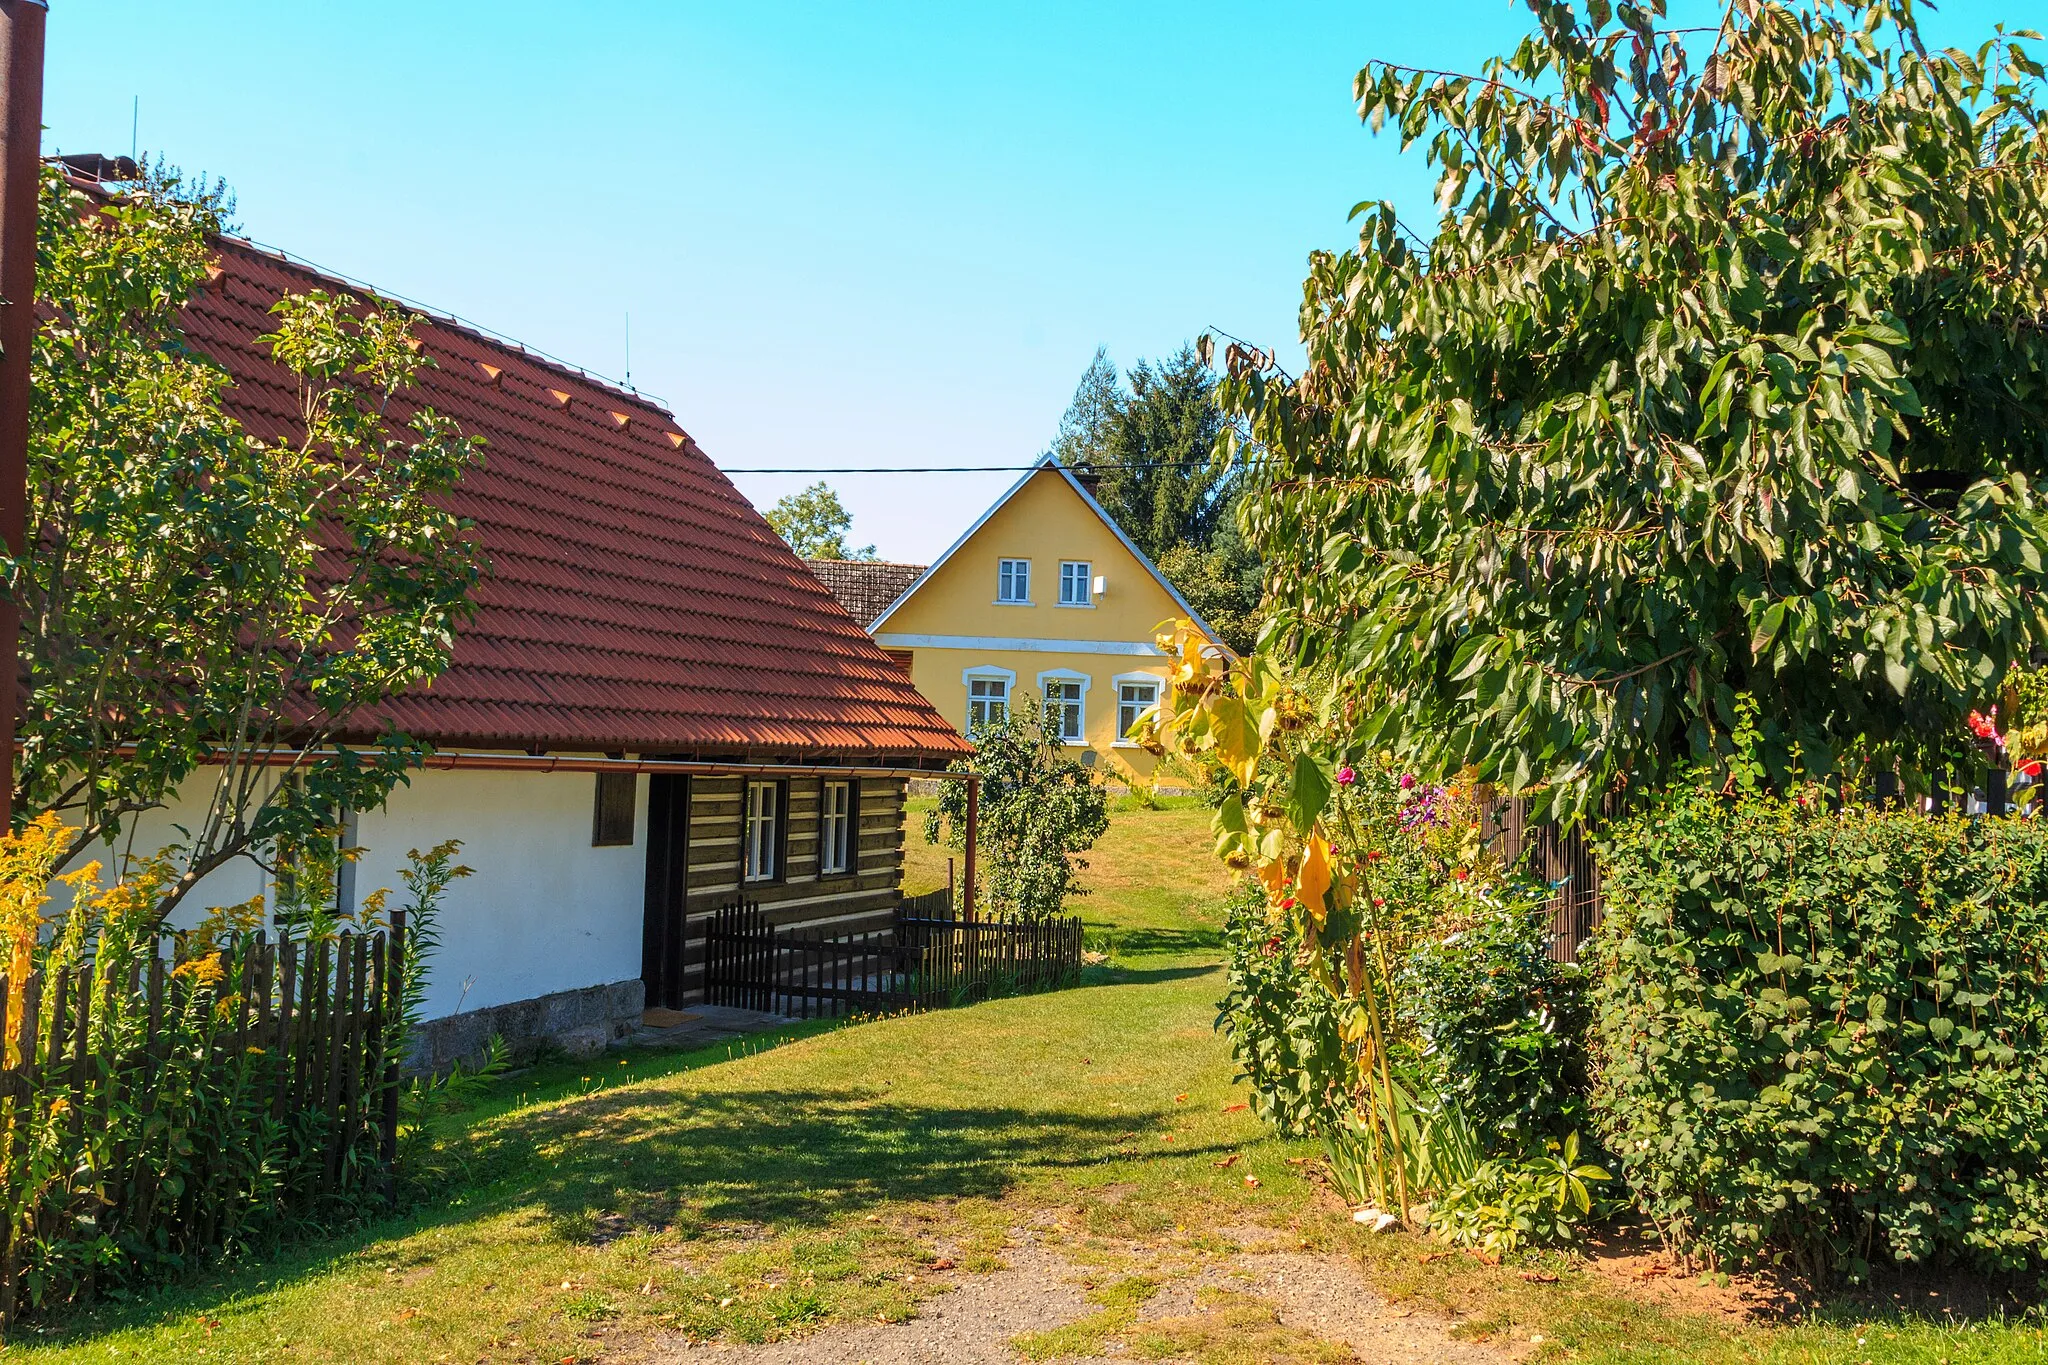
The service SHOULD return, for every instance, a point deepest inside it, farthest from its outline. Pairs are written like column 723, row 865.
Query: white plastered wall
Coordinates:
column 543, row 912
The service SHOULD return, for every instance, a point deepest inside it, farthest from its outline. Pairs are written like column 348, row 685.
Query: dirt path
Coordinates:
column 1300, row 1307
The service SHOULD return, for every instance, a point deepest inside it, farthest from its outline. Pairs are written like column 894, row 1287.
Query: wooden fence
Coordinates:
column 161, row 1107
column 928, row 957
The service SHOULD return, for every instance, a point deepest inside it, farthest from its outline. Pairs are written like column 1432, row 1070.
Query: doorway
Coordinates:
column 664, row 936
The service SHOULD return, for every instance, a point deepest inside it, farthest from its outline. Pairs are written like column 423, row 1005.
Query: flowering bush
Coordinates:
column 1503, row 1023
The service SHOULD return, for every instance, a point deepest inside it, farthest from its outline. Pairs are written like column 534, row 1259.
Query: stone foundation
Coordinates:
column 581, row 1023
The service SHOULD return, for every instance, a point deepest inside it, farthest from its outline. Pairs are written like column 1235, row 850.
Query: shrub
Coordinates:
column 1282, row 1024
column 1506, row 1205
column 1503, row 1023
column 1039, row 809
column 1816, row 1030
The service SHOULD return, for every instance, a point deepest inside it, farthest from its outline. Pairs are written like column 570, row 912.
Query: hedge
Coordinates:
column 1817, row 1032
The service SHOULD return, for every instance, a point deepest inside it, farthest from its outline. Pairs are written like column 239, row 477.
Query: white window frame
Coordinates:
column 1008, row 573
column 1153, row 680
column 1080, row 705
column 836, row 803
column 1086, row 576
column 988, row 674
column 760, row 832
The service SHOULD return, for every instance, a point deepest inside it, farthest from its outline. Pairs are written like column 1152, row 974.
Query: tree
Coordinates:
column 1084, row 427
column 1039, row 809
column 1723, row 372
column 1152, row 452
column 195, row 597
column 815, row 523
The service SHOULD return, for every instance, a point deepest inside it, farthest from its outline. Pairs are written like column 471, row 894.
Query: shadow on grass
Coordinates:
column 1144, row 976
column 1139, row 942
column 644, row 1157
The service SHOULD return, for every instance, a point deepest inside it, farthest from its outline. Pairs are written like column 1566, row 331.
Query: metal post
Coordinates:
column 21, row 147
column 973, row 837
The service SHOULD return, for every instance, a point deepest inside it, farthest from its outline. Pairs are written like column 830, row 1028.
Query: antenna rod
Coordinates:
column 135, row 130
column 629, row 348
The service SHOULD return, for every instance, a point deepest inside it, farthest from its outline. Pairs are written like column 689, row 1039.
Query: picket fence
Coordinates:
column 927, row 957
column 280, row 1096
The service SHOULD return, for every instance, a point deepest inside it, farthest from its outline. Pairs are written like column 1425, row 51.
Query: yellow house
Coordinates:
column 1044, row 596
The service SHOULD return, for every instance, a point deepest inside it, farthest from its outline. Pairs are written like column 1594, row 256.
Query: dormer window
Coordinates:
column 1013, row 581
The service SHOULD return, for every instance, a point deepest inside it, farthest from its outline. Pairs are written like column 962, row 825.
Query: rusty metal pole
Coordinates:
column 973, row 837
column 21, row 149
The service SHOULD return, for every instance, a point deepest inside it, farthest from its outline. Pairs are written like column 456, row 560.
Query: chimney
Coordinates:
column 115, row 170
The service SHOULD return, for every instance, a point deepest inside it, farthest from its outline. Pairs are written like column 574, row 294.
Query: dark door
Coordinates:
column 668, row 859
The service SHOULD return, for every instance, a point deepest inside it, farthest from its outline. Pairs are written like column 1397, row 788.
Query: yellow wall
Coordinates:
column 1046, row 522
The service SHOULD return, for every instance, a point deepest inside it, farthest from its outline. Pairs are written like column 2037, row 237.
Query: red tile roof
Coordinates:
column 865, row 587
column 634, row 600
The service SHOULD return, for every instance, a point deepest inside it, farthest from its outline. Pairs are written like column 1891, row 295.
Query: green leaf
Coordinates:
column 1307, row 793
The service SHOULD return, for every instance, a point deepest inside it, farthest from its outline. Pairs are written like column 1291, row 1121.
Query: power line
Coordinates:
column 971, row 468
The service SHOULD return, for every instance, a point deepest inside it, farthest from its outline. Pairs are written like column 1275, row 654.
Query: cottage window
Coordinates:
column 835, row 827
column 1074, row 583
column 1133, row 699
column 988, row 701
column 1013, row 581
column 611, row 824
column 763, row 831
column 1063, row 700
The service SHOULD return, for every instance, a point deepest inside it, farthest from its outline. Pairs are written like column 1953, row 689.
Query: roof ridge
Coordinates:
column 455, row 322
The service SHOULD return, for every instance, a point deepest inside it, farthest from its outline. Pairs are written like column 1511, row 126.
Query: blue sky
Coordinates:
column 850, row 234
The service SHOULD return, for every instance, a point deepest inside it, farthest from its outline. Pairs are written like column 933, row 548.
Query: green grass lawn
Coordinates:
column 828, row 1173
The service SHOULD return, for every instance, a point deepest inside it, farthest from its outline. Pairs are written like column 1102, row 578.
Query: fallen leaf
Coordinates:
column 1229, row 1161
column 943, row 1263
column 1651, row 1271
column 1167, row 1138
column 1486, row 1258
column 406, row 1313
column 1085, row 1061
column 1539, row 1277
column 1299, row 1160
column 1428, row 1256
column 1233, row 1108
column 1251, row 1182
column 1180, row 1099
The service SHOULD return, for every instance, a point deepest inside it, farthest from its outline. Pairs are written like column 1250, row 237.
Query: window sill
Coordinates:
column 1075, row 743
column 1079, row 606
column 1009, row 602
column 1125, row 744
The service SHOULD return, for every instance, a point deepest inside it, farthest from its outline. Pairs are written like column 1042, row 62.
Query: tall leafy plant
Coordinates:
column 1719, row 371
column 206, row 610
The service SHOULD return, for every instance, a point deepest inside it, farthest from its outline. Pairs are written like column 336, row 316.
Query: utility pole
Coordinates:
column 21, row 150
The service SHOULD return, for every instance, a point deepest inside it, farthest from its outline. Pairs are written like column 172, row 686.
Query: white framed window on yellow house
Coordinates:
column 1136, row 693
column 835, row 828
column 988, row 696
column 761, row 836
column 1074, row 583
column 1013, row 581
column 1066, row 702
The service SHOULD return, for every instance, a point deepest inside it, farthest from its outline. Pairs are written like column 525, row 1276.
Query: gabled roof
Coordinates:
column 634, row 599
column 865, row 587
column 1048, row 462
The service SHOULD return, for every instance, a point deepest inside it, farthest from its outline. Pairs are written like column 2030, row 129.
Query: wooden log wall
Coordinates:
column 859, row 900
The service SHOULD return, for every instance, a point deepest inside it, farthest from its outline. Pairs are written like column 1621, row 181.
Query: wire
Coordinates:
column 970, row 468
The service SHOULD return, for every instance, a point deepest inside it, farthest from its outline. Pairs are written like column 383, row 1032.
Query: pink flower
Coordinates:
column 1407, row 781
column 1345, row 777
